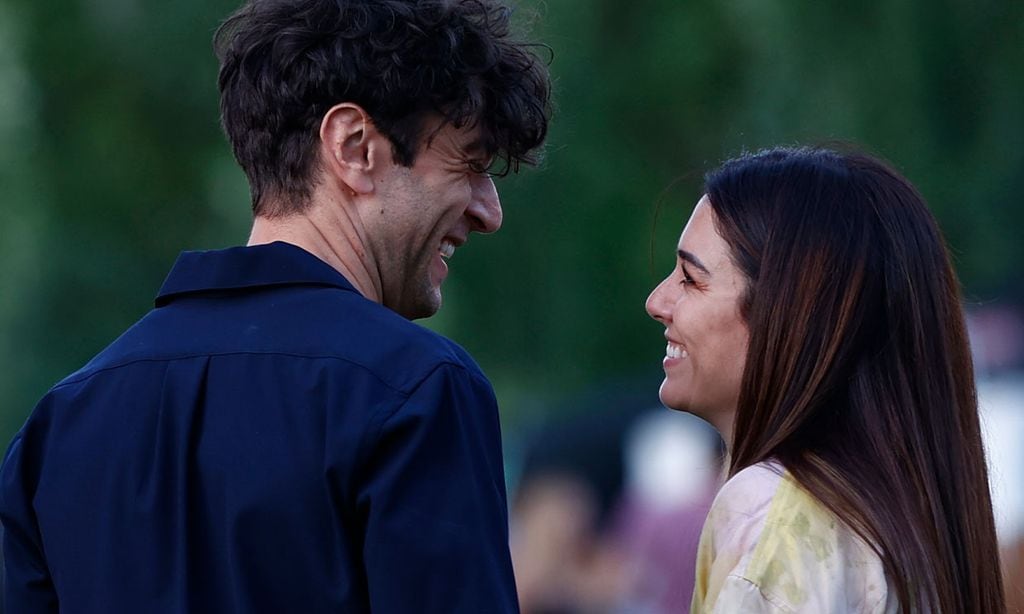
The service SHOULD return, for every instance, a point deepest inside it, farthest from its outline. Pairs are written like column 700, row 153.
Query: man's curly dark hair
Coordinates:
column 285, row 63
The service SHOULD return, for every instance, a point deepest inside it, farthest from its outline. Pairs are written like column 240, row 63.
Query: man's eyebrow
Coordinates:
column 695, row 261
column 474, row 147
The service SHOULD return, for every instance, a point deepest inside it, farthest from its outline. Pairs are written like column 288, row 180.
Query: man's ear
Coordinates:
column 351, row 147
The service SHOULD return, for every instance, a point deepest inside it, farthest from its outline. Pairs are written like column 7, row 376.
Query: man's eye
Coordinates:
column 480, row 167
column 494, row 166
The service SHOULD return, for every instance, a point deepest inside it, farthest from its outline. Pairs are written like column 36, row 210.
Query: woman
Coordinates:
column 814, row 319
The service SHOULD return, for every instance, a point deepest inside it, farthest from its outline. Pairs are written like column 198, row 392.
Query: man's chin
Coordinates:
column 423, row 306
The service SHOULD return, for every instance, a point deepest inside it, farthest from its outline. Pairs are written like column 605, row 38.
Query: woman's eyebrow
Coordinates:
column 695, row 261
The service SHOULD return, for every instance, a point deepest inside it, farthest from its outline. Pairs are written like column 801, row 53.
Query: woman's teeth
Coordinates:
column 674, row 351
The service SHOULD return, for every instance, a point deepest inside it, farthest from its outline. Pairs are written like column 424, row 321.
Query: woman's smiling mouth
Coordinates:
column 674, row 351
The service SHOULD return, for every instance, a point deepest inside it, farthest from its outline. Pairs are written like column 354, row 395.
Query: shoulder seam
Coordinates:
column 380, row 418
column 768, row 597
column 472, row 374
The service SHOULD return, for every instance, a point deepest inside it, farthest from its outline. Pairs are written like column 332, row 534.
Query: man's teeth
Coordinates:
column 674, row 351
column 447, row 249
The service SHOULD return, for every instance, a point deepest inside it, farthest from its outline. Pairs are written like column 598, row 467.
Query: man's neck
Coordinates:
column 330, row 232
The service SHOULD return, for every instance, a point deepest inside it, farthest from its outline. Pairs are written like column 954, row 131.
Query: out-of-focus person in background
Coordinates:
column 814, row 319
column 609, row 503
column 277, row 435
column 673, row 469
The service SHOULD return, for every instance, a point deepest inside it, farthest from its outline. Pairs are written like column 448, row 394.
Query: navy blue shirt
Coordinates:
column 265, row 440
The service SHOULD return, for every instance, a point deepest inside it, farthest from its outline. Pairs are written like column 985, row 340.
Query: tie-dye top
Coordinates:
column 769, row 546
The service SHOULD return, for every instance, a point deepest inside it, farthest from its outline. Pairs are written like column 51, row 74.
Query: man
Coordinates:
column 276, row 435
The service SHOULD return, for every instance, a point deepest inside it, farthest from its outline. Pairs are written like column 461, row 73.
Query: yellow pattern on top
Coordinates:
column 769, row 546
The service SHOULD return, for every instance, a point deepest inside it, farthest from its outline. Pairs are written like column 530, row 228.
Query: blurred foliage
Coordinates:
column 111, row 161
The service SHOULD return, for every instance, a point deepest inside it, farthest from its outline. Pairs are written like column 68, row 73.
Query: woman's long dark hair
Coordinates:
column 858, row 375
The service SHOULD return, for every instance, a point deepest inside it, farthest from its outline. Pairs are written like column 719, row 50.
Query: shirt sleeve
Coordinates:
column 28, row 587
column 434, row 503
column 732, row 532
column 727, row 543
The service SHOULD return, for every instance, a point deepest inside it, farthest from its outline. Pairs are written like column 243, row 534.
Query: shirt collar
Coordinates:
column 273, row 264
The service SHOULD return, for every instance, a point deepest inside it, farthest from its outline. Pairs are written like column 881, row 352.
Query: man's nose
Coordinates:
column 485, row 208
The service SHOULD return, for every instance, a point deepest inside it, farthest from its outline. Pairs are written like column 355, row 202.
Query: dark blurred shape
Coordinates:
column 610, row 503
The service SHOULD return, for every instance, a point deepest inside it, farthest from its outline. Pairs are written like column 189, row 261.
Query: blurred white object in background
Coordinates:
column 670, row 459
column 1001, row 405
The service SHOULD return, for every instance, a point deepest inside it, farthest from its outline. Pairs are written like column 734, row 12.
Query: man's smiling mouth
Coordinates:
column 447, row 249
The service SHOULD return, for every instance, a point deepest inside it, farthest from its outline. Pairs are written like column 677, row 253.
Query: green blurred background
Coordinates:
column 111, row 162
